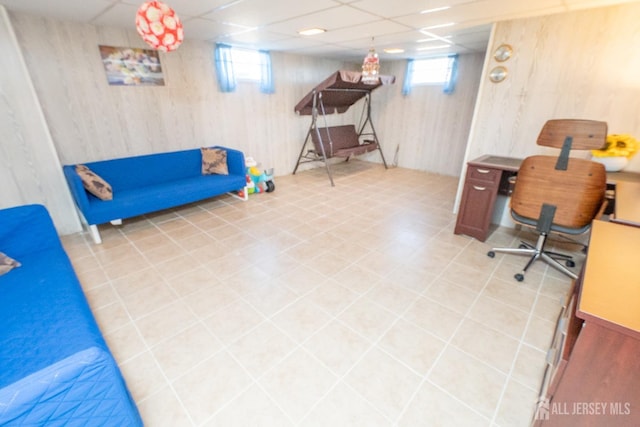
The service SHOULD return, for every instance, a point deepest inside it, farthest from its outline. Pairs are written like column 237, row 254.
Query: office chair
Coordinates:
column 558, row 194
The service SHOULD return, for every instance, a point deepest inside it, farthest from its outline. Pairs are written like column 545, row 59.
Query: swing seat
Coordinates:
column 341, row 141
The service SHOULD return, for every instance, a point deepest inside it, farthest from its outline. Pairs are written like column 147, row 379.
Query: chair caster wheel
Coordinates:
column 491, row 254
column 522, row 246
column 519, row 277
column 570, row 263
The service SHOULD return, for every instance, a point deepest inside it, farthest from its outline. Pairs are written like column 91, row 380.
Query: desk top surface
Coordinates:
column 610, row 292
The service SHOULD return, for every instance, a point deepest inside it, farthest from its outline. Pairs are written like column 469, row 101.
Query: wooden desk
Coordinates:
column 598, row 385
column 610, row 292
column 488, row 175
column 627, row 207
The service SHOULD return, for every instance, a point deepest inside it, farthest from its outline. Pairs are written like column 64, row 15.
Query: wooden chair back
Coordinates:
column 586, row 134
column 577, row 192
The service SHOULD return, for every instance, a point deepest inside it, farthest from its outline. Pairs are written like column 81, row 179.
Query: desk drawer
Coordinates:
column 488, row 175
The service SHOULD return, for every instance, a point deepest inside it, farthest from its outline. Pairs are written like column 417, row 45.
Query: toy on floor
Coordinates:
column 257, row 181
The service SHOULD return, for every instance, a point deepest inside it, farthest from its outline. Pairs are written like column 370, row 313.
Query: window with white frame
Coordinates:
column 432, row 71
column 246, row 64
column 441, row 70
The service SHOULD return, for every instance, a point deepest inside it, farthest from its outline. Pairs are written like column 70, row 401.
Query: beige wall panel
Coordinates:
column 574, row 65
column 30, row 171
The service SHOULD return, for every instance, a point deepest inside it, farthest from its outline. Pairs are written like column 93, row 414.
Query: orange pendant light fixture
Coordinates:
column 159, row 26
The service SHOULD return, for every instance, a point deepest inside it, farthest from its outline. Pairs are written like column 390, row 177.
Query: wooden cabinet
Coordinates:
column 478, row 197
column 486, row 177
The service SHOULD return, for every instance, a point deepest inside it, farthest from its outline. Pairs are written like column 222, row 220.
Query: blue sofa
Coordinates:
column 149, row 183
column 55, row 367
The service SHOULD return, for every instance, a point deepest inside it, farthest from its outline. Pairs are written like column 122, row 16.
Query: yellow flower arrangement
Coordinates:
column 623, row 145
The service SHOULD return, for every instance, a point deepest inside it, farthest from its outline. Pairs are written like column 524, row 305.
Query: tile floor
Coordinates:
column 317, row 306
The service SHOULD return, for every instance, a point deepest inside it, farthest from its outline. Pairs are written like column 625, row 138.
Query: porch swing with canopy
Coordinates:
column 336, row 94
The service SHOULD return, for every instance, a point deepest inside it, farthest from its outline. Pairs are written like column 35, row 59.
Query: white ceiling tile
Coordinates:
column 120, row 15
column 350, row 23
column 205, row 29
column 68, row 10
column 330, row 19
column 253, row 13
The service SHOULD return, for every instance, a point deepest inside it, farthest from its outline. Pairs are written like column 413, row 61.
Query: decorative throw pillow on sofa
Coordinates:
column 7, row 264
column 94, row 184
column 214, row 161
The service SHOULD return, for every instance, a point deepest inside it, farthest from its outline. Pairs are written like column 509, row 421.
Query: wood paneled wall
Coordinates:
column 30, row 171
column 89, row 120
column 580, row 64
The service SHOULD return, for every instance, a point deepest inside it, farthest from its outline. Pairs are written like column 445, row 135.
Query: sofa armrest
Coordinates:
column 235, row 162
column 76, row 187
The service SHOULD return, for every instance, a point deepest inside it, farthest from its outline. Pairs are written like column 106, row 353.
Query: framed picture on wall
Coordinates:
column 129, row 66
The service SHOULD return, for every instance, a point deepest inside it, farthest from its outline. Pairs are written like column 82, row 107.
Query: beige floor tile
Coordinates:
column 297, row 383
column 332, row 297
column 433, row 317
column 517, row 406
column 343, row 406
column 510, row 293
column 490, row 346
column 148, row 300
column 385, row 382
column 252, row 408
column 101, row 296
column 392, row 297
column 412, row 345
column 209, row 386
column 539, row 333
column 137, row 281
column 143, row 376
column 163, row 409
column 301, row 319
column 432, row 406
column 233, row 321
column 209, row 299
column 529, row 366
column 367, row 318
column 358, row 278
column 262, row 348
column 111, row 317
column 338, row 347
column 499, row 316
column 184, row 350
column 466, row 276
column 338, row 305
column 125, row 342
column 165, row 322
column 469, row 380
column 270, row 298
column 411, row 275
column 457, row 298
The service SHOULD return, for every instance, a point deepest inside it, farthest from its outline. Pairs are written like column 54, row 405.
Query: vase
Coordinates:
column 612, row 164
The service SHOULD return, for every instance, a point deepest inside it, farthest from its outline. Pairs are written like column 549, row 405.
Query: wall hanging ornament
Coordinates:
column 159, row 26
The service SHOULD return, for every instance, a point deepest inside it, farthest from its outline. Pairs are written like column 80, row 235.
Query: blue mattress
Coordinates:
column 55, row 367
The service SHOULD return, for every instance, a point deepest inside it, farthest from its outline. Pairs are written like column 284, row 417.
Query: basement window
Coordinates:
column 246, row 64
column 441, row 70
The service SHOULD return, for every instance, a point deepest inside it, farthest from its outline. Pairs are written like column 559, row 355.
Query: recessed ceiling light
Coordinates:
column 393, row 50
column 435, row 9
column 433, row 27
column 311, row 31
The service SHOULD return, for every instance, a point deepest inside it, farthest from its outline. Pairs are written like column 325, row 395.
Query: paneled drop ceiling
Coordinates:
column 352, row 26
